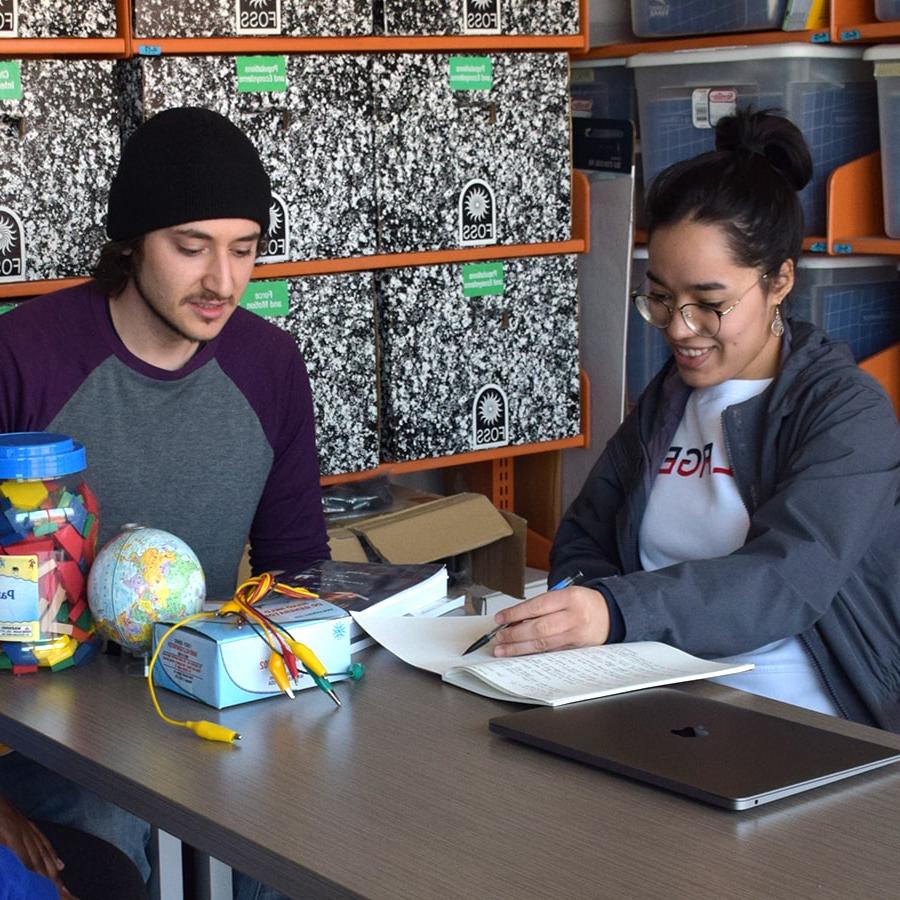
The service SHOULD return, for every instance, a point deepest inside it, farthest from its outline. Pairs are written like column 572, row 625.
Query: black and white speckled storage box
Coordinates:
column 468, row 373
column 332, row 318
column 315, row 139
column 435, row 146
column 481, row 16
column 59, row 19
column 224, row 18
column 59, row 146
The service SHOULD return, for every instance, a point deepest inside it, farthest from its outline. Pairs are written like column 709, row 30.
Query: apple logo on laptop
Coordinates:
column 691, row 731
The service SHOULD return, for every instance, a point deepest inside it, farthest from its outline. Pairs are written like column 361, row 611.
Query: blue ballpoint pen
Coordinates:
column 566, row 582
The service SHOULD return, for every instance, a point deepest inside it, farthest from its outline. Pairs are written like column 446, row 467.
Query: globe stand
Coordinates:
column 137, row 664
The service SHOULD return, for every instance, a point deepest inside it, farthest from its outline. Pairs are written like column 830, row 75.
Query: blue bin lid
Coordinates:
column 38, row 454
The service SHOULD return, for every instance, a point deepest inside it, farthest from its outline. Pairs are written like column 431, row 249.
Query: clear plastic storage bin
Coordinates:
column 665, row 18
column 887, row 74
column 827, row 92
column 603, row 89
column 854, row 299
column 645, row 347
column 887, row 10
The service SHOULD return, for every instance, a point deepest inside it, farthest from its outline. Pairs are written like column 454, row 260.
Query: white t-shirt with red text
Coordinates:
column 695, row 511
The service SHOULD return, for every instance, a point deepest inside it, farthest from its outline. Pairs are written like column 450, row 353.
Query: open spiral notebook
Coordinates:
column 547, row 679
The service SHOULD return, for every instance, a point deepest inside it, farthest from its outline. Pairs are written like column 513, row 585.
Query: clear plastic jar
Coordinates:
column 49, row 521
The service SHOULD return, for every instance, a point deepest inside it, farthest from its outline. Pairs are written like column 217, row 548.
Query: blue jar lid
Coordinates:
column 37, row 454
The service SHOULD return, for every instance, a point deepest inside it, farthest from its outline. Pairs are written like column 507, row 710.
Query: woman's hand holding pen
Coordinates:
column 574, row 616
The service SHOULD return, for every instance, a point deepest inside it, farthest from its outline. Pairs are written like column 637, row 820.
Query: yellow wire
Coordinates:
column 241, row 603
column 208, row 730
column 155, row 656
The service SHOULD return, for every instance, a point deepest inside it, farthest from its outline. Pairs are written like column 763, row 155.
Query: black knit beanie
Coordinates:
column 186, row 165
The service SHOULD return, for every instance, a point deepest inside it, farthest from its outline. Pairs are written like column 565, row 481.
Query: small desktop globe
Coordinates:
column 141, row 576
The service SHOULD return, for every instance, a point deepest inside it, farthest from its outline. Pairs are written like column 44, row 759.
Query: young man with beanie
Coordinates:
column 196, row 415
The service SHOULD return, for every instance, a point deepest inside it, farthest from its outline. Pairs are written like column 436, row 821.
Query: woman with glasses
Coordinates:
column 749, row 506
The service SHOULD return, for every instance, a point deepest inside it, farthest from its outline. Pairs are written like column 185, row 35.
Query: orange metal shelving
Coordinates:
column 705, row 42
column 117, row 47
column 856, row 209
column 814, row 243
column 358, row 44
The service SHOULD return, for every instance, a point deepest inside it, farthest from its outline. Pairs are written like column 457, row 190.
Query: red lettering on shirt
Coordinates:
column 707, row 459
column 692, row 461
column 669, row 461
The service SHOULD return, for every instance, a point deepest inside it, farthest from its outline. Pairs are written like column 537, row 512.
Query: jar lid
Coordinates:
column 37, row 454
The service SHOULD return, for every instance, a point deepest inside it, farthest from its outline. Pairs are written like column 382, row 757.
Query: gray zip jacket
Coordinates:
column 816, row 458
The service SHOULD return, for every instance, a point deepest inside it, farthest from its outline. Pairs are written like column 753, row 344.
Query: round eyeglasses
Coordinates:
column 702, row 319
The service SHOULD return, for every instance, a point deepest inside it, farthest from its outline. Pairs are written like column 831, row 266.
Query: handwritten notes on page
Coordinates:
column 549, row 679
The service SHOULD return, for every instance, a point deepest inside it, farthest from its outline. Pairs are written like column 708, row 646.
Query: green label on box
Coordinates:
column 267, row 298
column 261, row 74
column 471, row 73
column 10, row 79
column 482, row 279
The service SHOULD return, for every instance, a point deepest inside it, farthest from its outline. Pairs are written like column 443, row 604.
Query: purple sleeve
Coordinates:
column 288, row 530
column 48, row 346
column 289, row 527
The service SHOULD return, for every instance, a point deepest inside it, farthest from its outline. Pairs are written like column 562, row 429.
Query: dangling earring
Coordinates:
column 777, row 325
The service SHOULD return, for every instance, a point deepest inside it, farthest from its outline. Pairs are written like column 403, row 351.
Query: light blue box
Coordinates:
column 223, row 664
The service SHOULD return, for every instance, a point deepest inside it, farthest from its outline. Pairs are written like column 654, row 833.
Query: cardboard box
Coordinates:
column 225, row 18
column 344, row 543
column 481, row 17
column 498, row 344
column 471, row 150
column 486, row 544
column 309, row 116
column 59, row 144
column 53, row 19
column 222, row 664
column 332, row 319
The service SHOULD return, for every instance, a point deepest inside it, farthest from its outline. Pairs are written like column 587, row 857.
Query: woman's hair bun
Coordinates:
column 767, row 134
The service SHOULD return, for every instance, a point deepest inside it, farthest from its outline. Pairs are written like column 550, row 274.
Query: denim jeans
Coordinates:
column 39, row 793
column 247, row 888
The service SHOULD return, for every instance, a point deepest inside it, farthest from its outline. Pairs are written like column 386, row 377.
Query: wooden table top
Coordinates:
column 404, row 793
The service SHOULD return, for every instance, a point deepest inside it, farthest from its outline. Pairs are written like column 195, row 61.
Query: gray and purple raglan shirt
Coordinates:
column 220, row 451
